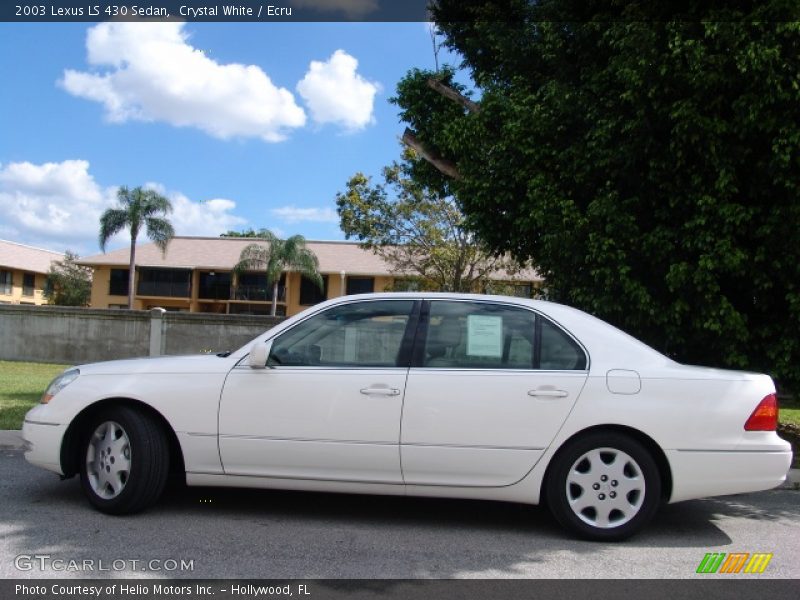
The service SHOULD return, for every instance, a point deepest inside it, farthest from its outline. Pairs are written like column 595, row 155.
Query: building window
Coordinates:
column 253, row 287
column 215, row 286
column 6, row 281
column 360, row 285
column 170, row 283
column 523, row 290
column 28, row 284
column 310, row 292
column 118, row 283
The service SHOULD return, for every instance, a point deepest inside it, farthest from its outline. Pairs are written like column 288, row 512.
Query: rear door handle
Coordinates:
column 548, row 393
column 380, row 391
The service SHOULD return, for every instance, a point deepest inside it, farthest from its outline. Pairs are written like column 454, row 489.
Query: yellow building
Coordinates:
column 196, row 274
column 23, row 272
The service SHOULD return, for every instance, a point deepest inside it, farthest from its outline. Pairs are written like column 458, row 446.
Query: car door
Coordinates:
column 489, row 387
column 328, row 404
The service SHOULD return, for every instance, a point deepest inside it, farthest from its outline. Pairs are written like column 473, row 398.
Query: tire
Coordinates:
column 124, row 461
column 603, row 486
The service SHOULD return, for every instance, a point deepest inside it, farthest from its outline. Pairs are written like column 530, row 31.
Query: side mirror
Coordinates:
column 259, row 354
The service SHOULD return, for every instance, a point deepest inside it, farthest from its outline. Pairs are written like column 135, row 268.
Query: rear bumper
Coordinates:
column 43, row 443
column 703, row 473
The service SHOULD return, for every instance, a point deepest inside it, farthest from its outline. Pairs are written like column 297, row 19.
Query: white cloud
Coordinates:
column 152, row 73
column 351, row 8
column 294, row 214
column 205, row 218
column 58, row 206
column 336, row 93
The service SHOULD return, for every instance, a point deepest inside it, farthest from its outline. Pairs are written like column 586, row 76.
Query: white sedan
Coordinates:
column 445, row 395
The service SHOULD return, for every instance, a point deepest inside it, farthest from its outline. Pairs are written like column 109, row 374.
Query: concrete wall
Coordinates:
column 79, row 335
column 192, row 333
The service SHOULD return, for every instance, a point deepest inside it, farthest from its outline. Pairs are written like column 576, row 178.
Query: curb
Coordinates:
column 11, row 439
column 792, row 480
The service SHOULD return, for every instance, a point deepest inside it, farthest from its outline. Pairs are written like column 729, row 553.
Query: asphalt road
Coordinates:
column 267, row 534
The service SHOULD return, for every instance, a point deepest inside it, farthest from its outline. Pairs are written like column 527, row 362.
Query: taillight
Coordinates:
column 765, row 416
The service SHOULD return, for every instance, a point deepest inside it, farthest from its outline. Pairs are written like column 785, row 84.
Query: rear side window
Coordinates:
column 476, row 335
column 559, row 352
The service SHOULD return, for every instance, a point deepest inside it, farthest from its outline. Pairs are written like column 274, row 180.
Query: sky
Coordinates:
column 239, row 124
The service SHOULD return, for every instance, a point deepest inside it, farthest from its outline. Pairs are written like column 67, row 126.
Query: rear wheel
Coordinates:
column 124, row 461
column 604, row 486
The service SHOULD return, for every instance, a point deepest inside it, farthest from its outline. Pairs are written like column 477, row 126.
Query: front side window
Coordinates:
column 362, row 334
column 475, row 335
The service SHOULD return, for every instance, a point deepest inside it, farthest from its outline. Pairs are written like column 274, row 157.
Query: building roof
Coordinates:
column 223, row 253
column 26, row 258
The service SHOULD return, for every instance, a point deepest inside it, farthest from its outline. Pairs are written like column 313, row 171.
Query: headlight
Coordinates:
column 59, row 383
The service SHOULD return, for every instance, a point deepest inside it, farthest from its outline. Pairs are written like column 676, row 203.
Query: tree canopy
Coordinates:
column 68, row 283
column 418, row 231
column 273, row 256
column 246, row 233
column 648, row 164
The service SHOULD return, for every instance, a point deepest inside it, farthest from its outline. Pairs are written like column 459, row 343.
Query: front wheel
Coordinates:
column 603, row 486
column 124, row 461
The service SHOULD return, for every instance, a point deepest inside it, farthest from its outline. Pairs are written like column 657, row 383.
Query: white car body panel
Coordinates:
column 449, row 439
column 312, row 423
column 471, row 427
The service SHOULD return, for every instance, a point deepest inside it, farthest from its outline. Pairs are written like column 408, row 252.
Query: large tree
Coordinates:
column 648, row 163
column 139, row 210
column 418, row 231
column 68, row 283
column 273, row 256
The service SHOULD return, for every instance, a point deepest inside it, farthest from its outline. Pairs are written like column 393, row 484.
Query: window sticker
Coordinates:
column 485, row 336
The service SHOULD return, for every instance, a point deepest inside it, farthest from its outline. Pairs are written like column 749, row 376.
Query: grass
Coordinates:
column 21, row 386
column 789, row 411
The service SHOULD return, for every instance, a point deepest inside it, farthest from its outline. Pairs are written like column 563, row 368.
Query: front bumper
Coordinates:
column 703, row 473
column 42, row 441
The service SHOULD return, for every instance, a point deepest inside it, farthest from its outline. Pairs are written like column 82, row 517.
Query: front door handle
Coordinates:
column 380, row 391
column 544, row 393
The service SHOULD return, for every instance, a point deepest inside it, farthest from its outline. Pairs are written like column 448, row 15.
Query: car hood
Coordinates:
column 196, row 363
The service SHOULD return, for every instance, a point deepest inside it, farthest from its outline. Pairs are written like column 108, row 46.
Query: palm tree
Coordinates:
column 139, row 209
column 277, row 256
